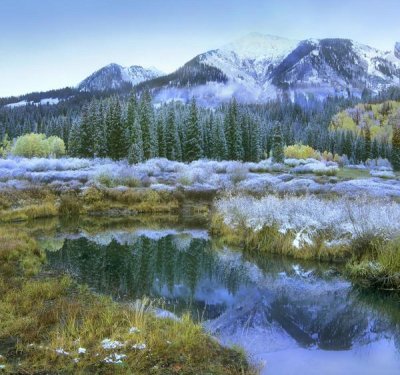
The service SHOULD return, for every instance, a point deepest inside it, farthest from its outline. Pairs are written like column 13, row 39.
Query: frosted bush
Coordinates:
column 294, row 162
column 237, row 171
column 382, row 174
column 316, row 167
column 306, row 216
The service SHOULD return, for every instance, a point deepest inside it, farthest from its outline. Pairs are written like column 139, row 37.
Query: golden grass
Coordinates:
column 40, row 315
column 269, row 240
column 381, row 269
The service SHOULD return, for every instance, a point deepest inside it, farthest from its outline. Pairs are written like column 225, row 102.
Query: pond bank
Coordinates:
column 52, row 324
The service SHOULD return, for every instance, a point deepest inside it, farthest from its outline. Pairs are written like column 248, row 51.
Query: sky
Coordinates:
column 48, row 44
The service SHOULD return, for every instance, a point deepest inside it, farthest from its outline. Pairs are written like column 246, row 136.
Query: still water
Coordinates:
column 290, row 317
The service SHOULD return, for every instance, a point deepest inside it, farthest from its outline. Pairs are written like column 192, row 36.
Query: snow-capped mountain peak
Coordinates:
column 397, row 50
column 114, row 76
column 260, row 46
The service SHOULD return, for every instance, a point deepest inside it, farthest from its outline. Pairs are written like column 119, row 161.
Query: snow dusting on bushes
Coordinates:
column 306, row 216
column 201, row 175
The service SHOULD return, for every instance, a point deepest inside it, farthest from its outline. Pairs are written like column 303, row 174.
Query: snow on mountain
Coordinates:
column 22, row 103
column 114, row 76
column 257, row 67
column 397, row 50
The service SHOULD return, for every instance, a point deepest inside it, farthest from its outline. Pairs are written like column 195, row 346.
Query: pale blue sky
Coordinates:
column 47, row 44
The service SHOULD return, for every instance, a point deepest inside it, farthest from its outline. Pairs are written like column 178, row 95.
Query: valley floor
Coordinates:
column 308, row 212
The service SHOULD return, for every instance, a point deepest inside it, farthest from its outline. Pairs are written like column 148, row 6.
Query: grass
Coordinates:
column 350, row 174
column 33, row 204
column 370, row 260
column 45, row 320
column 381, row 269
column 270, row 240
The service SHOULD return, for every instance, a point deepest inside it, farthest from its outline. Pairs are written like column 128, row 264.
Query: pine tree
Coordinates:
column 255, row 141
column 100, row 133
column 219, row 146
column 146, row 116
column 368, row 144
column 233, row 130
column 86, row 131
column 277, row 144
column 396, row 147
column 135, row 152
column 193, row 149
column 172, row 141
column 161, row 152
column 74, row 140
column 132, row 114
column 117, row 144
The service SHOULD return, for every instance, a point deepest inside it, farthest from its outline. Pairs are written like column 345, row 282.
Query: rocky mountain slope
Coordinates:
column 114, row 76
column 257, row 67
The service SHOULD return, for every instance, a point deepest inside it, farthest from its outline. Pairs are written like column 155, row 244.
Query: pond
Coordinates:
column 292, row 317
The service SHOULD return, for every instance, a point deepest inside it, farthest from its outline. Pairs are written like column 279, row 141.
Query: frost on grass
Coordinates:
column 111, row 344
column 306, row 216
column 114, row 358
column 140, row 346
column 61, row 351
column 200, row 175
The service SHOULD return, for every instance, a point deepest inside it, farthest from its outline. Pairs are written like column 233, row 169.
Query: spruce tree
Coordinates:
column 86, row 131
column 146, row 116
column 234, row 135
column 277, row 144
column 396, row 147
column 368, row 143
column 193, row 149
column 135, row 152
column 117, row 143
column 74, row 140
column 100, row 133
column 161, row 152
column 172, row 141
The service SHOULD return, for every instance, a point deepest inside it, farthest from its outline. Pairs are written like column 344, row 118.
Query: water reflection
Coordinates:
column 268, row 305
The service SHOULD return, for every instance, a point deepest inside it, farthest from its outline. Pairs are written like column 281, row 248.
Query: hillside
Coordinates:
column 379, row 118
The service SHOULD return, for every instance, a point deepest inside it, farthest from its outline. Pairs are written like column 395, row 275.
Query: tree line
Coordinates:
column 133, row 127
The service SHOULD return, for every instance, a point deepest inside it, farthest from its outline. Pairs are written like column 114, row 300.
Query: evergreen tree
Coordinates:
column 100, row 133
column 74, row 140
column 172, row 141
column 135, row 152
column 220, row 148
column 161, row 152
column 117, row 144
column 193, row 149
column 277, row 144
column 233, row 130
column 396, row 146
column 146, row 123
column 86, row 132
column 368, row 144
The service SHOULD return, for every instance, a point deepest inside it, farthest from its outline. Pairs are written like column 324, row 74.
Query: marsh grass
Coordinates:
column 380, row 269
column 270, row 240
column 45, row 320
column 32, row 204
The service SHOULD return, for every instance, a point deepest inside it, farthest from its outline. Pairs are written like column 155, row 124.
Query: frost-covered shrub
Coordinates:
column 382, row 174
column 316, row 167
column 309, row 215
column 294, row 162
column 237, row 171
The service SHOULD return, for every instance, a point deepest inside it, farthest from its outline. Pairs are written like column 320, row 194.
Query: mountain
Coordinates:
column 259, row 67
column 114, row 77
